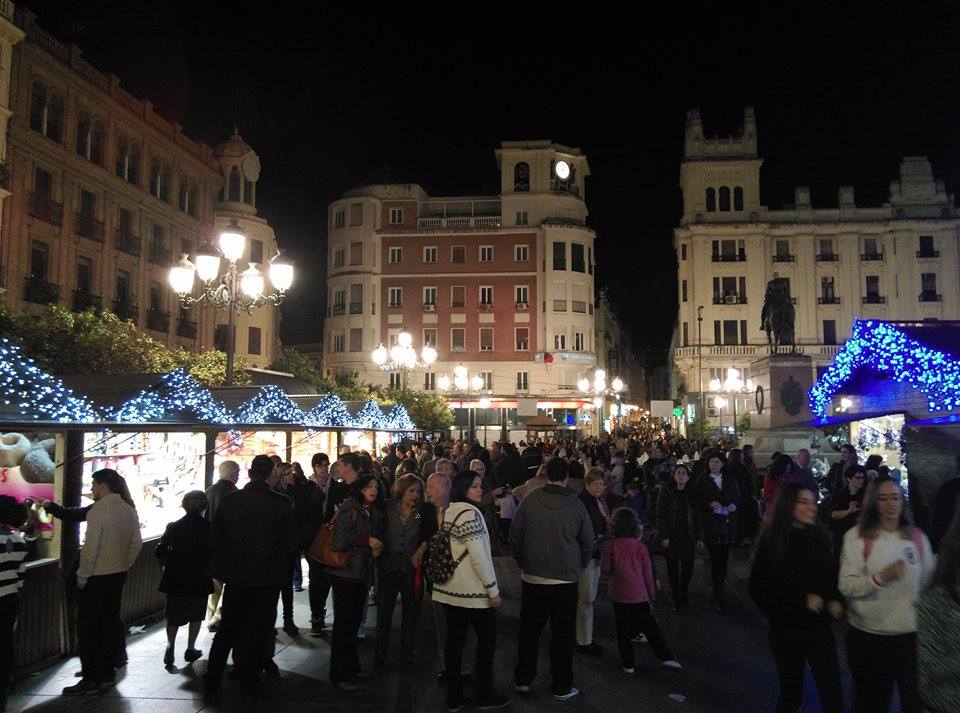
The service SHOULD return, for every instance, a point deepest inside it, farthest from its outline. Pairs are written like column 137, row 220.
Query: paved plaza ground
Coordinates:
column 727, row 668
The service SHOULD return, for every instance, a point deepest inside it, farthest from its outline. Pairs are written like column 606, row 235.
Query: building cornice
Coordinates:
column 815, row 228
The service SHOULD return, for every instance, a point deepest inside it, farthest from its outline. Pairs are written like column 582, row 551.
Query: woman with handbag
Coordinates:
column 717, row 496
column 470, row 594
column 677, row 534
column 397, row 567
column 596, row 506
column 353, row 531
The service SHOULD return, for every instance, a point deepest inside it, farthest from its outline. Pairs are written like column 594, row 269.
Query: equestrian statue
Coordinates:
column 778, row 314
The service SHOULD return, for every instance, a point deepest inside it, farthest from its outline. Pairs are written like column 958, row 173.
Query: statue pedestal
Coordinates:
column 783, row 380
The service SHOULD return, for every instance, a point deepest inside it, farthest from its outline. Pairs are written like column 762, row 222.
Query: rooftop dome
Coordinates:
column 234, row 147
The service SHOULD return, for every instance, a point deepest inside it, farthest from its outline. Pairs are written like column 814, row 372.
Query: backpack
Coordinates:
column 440, row 564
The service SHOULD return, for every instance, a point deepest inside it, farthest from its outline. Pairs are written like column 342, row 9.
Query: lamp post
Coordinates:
column 700, row 356
column 599, row 390
column 463, row 384
column 234, row 291
column 732, row 385
column 402, row 356
column 720, row 403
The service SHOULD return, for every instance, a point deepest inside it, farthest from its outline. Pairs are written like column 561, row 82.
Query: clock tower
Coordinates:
column 542, row 180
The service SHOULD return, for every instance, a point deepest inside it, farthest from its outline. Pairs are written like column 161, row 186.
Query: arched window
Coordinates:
column 711, row 200
column 233, row 193
column 724, row 198
column 97, row 137
column 164, row 194
column 38, row 107
column 155, row 177
column 738, row 198
column 123, row 155
column 521, row 177
column 183, row 197
column 83, row 133
column 55, row 118
column 247, row 192
column 133, row 164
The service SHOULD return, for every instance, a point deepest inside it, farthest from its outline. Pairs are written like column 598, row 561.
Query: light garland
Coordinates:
column 370, row 417
column 330, row 411
column 889, row 350
column 270, row 405
column 399, row 419
column 36, row 394
column 177, row 392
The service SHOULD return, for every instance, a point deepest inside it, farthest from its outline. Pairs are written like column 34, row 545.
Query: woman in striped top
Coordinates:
column 13, row 551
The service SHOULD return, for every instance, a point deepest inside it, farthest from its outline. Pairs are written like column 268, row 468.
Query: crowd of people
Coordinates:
column 423, row 523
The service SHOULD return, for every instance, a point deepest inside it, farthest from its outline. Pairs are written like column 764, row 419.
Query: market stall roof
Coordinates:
column 909, row 367
column 288, row 382
column 541, row 423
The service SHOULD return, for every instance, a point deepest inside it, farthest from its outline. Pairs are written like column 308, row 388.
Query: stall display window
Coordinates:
column 305, row 443
column 159, row 467
column 31, row 469
column 248, row 445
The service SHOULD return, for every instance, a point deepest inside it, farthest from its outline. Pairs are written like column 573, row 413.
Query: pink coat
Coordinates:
column 626, row 561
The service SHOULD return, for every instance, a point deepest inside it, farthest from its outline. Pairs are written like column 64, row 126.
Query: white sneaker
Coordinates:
column 629, row 670
column 639, row 639
column 522, row 688
column 672, row 663
column 361, row 634
column 571, row 693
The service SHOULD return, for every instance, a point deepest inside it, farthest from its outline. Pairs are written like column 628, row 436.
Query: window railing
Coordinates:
column 187, row 328
column 338, row 309
column 356, row 308
column 160, row 256
column 928, row 253
column 871, row 257
column 457, row 348
column 128, row 243
column 458, row 303
column 740, row 256
column 827, row 257
column 874, row 299
column 89, row 227
column 485, row 306
column 43, row 207
column 930, row 296
column 730, row 299
column 825, row 300
column 158, row 321
column 84, row 300
column 395, row 305
column 578, row 266
column 578, row 306
column 126, row 310
column 559, row 305
column 784, row 258
column 41, row 292
column 558, row 186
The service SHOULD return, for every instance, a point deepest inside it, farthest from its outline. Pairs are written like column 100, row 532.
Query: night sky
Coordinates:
column 330, row 101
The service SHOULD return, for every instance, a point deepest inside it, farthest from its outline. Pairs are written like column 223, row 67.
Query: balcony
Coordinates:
column 871, row 257
column 559, row 305
column 338, row 309
column 828, row 300
column 41, row 292
column 128, row 243
column 126, row 311
column 429, row 306
column 458, row 214
column 44, row 208
column 732, row 299
column 784, row 258
column 874, row 300
column 84, row 300
column 158, row 321
column 458, row 348
column 729, row 257
column 578, row 306
column 89, row 227
column 458, row 303
column 395, row 305
column 752, row 350
column 828, row 257
column 928, row 253
column 930, row 296
column 568, row 187
column 356, row 308
column 187, row 328
column 160, row 256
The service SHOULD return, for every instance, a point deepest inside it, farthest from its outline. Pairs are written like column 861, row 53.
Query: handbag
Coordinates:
column 321, row 549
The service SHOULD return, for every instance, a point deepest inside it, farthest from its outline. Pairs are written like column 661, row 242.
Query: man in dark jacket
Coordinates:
column 348, row 469
column 552, row 539
column 532, row 458
column 229, row 475
column 252, row 540
column 944, row 508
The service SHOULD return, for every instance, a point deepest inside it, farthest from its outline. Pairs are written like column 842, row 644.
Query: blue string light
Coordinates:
column 399, row 419
column 177, row 392
column 881, row 346
column 330, row 412
column 370, row 417
column 35, row 394
column 270, row 405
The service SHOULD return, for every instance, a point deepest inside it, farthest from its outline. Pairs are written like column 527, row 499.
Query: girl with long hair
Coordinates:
column 678, row 530
column 938, row 631
column 884, row 561
column 793, row 582
column 718, row 496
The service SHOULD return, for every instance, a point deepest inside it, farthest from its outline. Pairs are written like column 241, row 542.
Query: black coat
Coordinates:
column 944, row 508
column 184, row 553
column 678, row 521
column 717, row 528
column 253, row 537
column 511, row 471
column 313, row 514
column 593, row 511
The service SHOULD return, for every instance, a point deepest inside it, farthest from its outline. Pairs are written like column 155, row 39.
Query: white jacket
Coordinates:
column 474, row 580
column 112, row 541
column 888, row 609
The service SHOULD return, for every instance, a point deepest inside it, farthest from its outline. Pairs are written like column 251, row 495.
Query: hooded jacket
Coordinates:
column 551, row 535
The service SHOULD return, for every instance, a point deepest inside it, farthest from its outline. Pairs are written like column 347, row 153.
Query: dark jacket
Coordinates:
column 336, row 494
column 352, row 531
column 313, row 515
column 184, row 553
column 551, row 535
column 780, row 589
column 215, row 495
column 678, row 521
column 511, row 471
column 531, row 457
column 253, row 537
column 400, row 540
column 944, row 507
column 73, row 514
column 597, row 521
column 717, row 528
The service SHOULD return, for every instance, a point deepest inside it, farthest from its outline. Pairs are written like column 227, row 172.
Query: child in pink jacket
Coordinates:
column 631, row 587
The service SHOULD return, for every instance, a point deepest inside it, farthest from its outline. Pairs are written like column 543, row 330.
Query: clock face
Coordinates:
column 562, row 169
column 251, row 168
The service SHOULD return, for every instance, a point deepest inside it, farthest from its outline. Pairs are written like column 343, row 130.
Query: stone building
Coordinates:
column 897, row 261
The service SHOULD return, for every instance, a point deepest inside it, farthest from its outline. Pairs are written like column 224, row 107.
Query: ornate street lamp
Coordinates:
column 464, row 385
column 403, row 357
column 733, row 385
column 234, row 291
column 600, row 391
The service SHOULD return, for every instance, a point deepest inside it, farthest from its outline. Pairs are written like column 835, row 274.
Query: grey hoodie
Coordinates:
column 551, row 535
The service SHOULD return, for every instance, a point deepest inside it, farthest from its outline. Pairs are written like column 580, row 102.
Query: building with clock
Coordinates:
column 502, row 285
column 103, row 193
column 896, row 261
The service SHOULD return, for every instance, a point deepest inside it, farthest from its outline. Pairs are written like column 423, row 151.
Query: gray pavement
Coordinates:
column 727, row 668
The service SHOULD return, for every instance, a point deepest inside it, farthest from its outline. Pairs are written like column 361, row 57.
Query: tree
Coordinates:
column 209, row 367
column 291, row 361
column 743, row 423
column 428, row 410
column 701, row 429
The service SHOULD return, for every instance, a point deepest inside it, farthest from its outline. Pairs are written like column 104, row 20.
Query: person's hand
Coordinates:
column 659, row 586
column 47, row 504
column 714, row 504
column 495, row 601
column 835, row 609
column 665, row 543
column 814, row 603
column 416, row 559
column 854, row 507
column 499, row 492
column 732, row 507
column 892, row 572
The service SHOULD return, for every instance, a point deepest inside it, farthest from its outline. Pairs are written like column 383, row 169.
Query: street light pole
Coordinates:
column 231, row 326
column 700, row 356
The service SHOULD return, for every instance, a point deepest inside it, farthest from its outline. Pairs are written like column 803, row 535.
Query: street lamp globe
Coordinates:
column 584, row 385
column 617, row 384
column 281, row 273
column 720, row 402
column 715, row 384
column 379, row 355
column 443, row 382
column 476, row 382
column 232, row 242
column 396, row 353
column 428, row 354
column 404, row 339
column 599, row 375
column 181, row 276
column 208, row 263
column 409, row 359
column 251, row 282
column 598, row 402
column 460, row 370
column 460, row 382
column 484, row 402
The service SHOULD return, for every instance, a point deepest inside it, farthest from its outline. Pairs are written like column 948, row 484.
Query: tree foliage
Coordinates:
column 701, row 429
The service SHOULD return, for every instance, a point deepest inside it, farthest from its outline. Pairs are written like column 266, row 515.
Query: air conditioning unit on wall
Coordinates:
column 429, row 308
